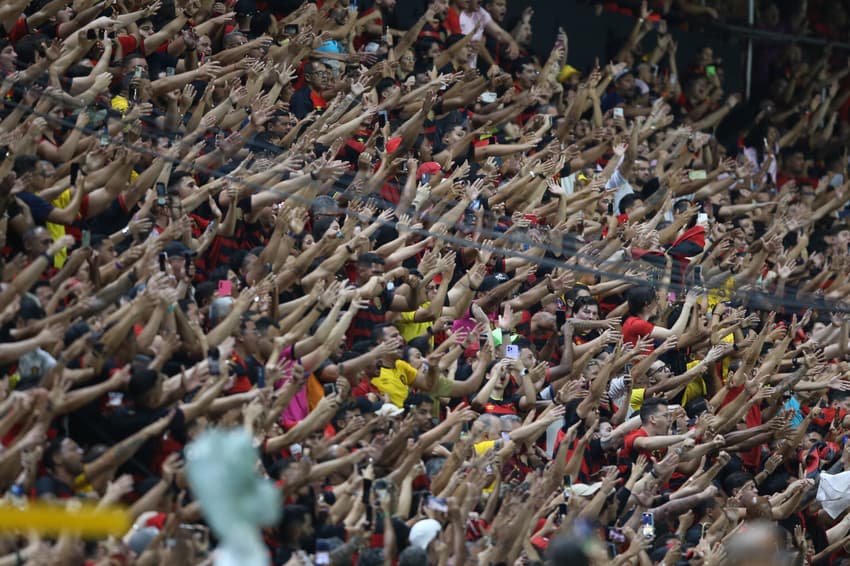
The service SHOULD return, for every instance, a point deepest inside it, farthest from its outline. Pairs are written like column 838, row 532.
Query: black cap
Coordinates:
column 492, row 281
column 177, row 248
column 245, row 8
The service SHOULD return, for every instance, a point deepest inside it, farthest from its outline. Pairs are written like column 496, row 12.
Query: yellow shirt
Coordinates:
column 410, row 329
column 57, row 230
column 395, row 381
column 482, row 448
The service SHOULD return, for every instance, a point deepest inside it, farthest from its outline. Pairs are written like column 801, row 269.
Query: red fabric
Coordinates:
column 634, row 328
column 695, row 235
column 452, row 22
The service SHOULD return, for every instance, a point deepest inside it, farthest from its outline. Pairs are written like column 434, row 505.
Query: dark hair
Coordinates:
column 50, row 452
column 638, row 298
column 371, row 557
column 736, row 480
column 413, row 556
column 384, row 85
column 416, row 399
column 650, row 407
column 584, row 301
column 24, row 164
column 175, row 180
column 628, row 201
column 421, row 343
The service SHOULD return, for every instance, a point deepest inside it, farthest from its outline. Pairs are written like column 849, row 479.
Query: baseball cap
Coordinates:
column 423, row 532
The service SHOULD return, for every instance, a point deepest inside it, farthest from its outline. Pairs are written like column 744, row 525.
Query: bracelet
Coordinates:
column 349, row 249
column 125, row 231
column 171, row 308
column 48, row 257
column 314, row 176
column 118, row 265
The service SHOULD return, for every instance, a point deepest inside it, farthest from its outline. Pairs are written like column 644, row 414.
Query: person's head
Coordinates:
column 386, row 6
column 629, row 203
column 182, row 183
column 63, row 456
column 641, row 171
column 657, row 372
column 741, row 485
column 413, row 556
column 317, row 75
column 369, row 265
column 839, row 399
column 407, row 62
column 497, row 9
column 642, row 301
column 654, row 417
column 8, row 56
column 386, row 88
column 296, row 524
column 32, row 172
column 586, row 308
column 36, row 240
column 526, row 73
column 793, row 162
column 624, row 83
column 421, row 406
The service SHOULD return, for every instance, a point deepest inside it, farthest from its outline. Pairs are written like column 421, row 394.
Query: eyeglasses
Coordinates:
column 321, row 74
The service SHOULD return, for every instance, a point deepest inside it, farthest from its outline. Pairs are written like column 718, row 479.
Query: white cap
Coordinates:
column 423, row 532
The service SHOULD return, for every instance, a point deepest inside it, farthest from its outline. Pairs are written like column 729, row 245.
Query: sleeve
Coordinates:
column 408, row 316
column 300, row 105
column 128, row 43
column 407, row 371
column 39, row 207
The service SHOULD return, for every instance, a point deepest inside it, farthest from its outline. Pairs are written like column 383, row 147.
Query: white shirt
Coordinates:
column 468, row 22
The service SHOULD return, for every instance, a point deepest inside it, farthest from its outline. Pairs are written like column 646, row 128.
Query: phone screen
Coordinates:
column 512, row 352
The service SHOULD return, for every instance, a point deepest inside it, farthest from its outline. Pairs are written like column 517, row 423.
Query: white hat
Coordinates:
column 389, row 410
column 423, row 532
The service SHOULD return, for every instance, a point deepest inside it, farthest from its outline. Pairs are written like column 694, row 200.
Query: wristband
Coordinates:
column 125, row 231
column 171, row 308
column 314, row 176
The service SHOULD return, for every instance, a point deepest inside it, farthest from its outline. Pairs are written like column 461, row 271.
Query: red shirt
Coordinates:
column 635, row 328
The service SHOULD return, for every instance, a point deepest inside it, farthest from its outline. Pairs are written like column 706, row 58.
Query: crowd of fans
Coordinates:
column 475, row 305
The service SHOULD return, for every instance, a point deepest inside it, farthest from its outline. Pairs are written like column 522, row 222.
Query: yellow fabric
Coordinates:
column 636, row 400
column 120, row 103
column 721, row 294
column 396, row 381
column 482, row 448
column 409, row 329
column 57, row 230
column 695, row 388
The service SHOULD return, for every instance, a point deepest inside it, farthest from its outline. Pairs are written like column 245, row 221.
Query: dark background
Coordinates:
column 592, row 36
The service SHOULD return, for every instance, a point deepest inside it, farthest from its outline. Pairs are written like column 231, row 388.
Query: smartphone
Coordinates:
column 104, row 137
column 323, row 557
column 86, row 238
column 488, row 97
column 616, row 535
column 438, row 504
column 290, row 29
column 618, row 112
column 213, row 361
column 382, row 118
column 133, row 93
column 75, row 171
column 647, row 525
column 702, row 219
column 161, row 195
column 562, row 511
column 352, row 6
column 163, row 257
column 698, row 280
column 138, row 71
column 697, row 175
column 169, row 71
column 225, row 288
column 710, row 70
column 512, row 352
column 91, row 34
